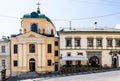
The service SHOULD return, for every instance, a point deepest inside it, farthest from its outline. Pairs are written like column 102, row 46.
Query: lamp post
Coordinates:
column 114, row 55
column 3, row 74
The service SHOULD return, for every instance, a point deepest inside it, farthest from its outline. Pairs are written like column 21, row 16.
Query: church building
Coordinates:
column 36, row 48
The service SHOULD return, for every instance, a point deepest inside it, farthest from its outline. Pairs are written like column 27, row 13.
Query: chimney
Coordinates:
column 95, row 25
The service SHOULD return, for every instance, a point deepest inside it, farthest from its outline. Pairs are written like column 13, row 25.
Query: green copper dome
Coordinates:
column 37, row 15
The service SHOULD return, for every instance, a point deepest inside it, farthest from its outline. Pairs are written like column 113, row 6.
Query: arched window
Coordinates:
column 34, row 27
column 32, row 59
column 52, row 32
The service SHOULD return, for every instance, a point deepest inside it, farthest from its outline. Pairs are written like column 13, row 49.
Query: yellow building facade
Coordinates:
column 36, row 48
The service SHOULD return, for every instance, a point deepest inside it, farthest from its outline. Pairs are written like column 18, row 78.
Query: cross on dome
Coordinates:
column 38, row 4
column 38, row 9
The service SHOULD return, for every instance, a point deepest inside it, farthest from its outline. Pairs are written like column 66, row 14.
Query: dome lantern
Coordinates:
column 38, row 8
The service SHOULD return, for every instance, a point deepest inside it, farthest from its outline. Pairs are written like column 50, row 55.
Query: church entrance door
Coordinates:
column 32, row 65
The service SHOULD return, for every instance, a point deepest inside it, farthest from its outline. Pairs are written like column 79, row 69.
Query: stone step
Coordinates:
column 29, row 75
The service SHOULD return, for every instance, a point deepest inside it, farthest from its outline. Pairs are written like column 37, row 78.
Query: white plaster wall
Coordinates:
column 84, row 39
column 106, row 58
column 119, row 61
column 73, row 52
column 5, row 56
column 7, row 48
column 62, row 41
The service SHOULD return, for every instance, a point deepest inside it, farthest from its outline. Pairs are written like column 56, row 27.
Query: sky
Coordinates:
column 81, row 13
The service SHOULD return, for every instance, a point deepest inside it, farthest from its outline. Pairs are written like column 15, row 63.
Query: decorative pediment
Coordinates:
column 31, row 35
column 32, row 40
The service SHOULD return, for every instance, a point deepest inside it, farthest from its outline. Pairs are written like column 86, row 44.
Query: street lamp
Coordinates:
column 3, row 73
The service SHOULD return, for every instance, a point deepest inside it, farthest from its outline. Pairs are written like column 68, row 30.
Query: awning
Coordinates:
column 74, row 58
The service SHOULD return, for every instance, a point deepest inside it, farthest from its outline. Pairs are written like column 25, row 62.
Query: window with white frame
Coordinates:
column 68, row 42
column 109, row 42
column 3, row 49
column 90, row 42
column 117, row 42
column 77, row 42
column 3, row 62
column 99, row 42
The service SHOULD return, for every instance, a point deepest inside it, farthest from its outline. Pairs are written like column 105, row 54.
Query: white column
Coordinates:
column 24, row 55
column 73, row 42
column 94, row 43
column 20, row 55
column 39, row 55
column 43, row 55
column 104, row 43
column 113, row 43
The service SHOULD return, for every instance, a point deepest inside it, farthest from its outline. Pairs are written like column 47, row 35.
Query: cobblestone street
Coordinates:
column 103, row 76
column 106, row 76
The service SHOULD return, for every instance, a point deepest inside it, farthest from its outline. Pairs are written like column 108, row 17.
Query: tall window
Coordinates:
column 90, row 42
column 68, row 42
column 3, row 62
column 15, row 63
column 56, row 53
column 31, row 48
column 49, row 62
column 3, row 49
column 77, row 42
column 34, row 27
column 49, row 48
column 15, row 48
column 109, row 42
column 117, row 42
column 56, row 43
column 99, row 42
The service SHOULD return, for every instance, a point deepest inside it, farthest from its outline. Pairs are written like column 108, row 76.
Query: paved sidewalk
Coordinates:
column 81, row 76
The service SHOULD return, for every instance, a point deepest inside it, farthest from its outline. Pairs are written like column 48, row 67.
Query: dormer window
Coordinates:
column 34, row 27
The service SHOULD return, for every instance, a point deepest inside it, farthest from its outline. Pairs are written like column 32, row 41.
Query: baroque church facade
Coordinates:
column 36, row 48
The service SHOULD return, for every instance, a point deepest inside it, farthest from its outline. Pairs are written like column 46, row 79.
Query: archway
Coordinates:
column 32, row 64
column 94, row 61
column 115, row 61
